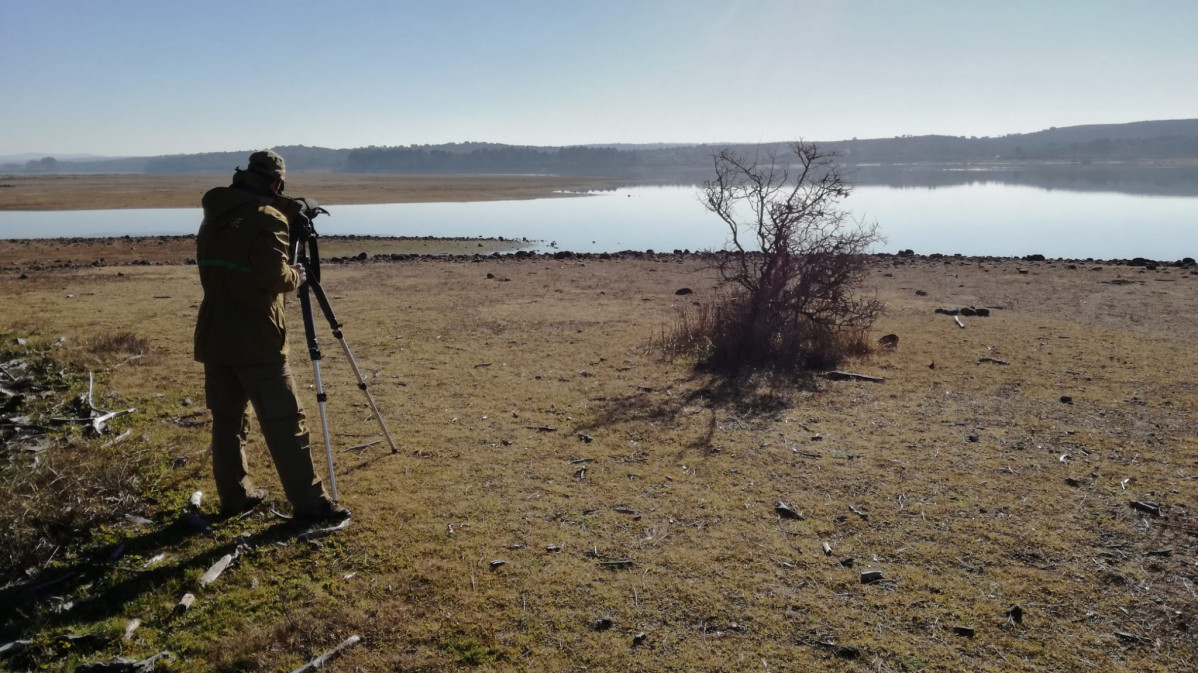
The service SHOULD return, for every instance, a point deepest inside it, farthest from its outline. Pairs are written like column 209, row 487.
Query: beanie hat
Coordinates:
column 267, row 163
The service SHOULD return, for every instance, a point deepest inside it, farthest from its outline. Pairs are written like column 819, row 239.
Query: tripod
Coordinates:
column 304, row 251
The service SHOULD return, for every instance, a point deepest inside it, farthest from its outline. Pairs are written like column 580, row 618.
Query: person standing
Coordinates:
column 241, row 339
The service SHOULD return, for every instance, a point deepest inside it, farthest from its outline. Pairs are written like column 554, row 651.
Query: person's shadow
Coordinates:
column 113, row 584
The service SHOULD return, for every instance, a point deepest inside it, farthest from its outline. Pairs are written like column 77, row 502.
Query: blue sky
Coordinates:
column 123, row 77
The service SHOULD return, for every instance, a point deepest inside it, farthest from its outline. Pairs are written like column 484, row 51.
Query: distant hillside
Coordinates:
column 1137, row 141
column 300, row 158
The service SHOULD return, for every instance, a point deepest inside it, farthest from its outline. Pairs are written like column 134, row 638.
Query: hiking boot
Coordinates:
column 327, row 512
column 252, row 499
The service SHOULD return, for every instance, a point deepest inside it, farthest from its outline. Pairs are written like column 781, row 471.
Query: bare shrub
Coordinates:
column 113, row 348
column 791, row 267
column 117, row 344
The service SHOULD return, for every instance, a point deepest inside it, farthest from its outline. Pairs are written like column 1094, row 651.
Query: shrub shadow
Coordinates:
column 746, row 398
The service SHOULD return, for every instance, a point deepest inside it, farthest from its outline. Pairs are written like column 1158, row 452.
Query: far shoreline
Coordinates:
column 76, row 253
column 118, row 192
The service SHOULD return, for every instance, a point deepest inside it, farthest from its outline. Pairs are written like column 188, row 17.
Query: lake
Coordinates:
column 975, row 218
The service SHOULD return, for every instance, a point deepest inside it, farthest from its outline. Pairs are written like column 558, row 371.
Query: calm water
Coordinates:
column 972, row 219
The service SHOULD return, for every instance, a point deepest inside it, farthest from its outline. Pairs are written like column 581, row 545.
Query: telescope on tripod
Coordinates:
column 304, row 250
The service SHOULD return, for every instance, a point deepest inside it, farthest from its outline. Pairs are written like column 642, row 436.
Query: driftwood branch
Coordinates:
column 124, row 665
column 100, row 423
column 362, row 447
column 215, row 571
column 846, row 376
column 320, row 662
column 322, row 532
column 118, row 439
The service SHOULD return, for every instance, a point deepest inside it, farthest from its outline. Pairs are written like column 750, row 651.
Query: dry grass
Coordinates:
column 959, row 470
column 60, row 481
column 88, row 192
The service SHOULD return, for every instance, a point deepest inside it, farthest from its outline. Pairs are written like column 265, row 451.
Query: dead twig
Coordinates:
column 362, row 447
column 321, row 661
column 846, row 376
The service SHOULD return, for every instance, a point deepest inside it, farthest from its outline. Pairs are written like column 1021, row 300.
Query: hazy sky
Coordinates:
column 141, row 77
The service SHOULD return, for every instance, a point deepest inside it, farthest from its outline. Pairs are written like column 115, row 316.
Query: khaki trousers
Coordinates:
column 271, row 390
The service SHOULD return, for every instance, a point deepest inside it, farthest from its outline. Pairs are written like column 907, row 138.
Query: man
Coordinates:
column 241, row 337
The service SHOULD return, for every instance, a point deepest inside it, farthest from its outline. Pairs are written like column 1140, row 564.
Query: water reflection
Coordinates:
column 977, row 217
column 1149, row 179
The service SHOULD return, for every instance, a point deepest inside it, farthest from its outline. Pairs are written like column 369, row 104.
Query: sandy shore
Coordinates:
column 105, row 192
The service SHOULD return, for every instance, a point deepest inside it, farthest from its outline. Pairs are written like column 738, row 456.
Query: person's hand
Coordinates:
column 303, row 275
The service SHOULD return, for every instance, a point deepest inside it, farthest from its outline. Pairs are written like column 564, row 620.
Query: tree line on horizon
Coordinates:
column 1138, row 141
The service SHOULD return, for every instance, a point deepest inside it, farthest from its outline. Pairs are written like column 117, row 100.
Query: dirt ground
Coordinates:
column 563, row 498
column 100, row 192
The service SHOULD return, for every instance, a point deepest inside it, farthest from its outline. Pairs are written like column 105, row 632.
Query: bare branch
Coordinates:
column 796, row 285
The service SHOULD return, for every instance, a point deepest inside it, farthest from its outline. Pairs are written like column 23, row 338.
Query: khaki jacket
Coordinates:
column 241, row 251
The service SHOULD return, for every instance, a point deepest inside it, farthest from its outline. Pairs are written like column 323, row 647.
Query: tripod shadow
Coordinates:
column 363, row 464
column 110, row 595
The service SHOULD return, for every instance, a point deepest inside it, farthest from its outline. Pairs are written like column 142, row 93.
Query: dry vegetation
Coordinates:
column 87, row 192
column 537, row 428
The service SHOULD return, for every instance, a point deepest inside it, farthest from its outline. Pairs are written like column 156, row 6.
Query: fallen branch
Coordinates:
column 846, row 376
column 1132, row 638
column 362, row 447
column 118, row 439
column 186, row 422
column 785, row 511
column 129, row 359
column 322, row 532
column 320, row 662
column 123, row 665
column 959, row 323
column 9, row 649
column 216, row 569
column 1146, row 507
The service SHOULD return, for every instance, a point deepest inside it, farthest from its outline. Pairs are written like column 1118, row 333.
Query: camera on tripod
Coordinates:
column 304, row 250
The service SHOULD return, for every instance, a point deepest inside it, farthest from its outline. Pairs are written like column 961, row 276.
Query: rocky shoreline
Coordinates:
column 93, row 248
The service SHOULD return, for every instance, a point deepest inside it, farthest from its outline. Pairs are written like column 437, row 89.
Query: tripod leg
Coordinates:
column 327, row 308
column 321, row 398
column 362, row 386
